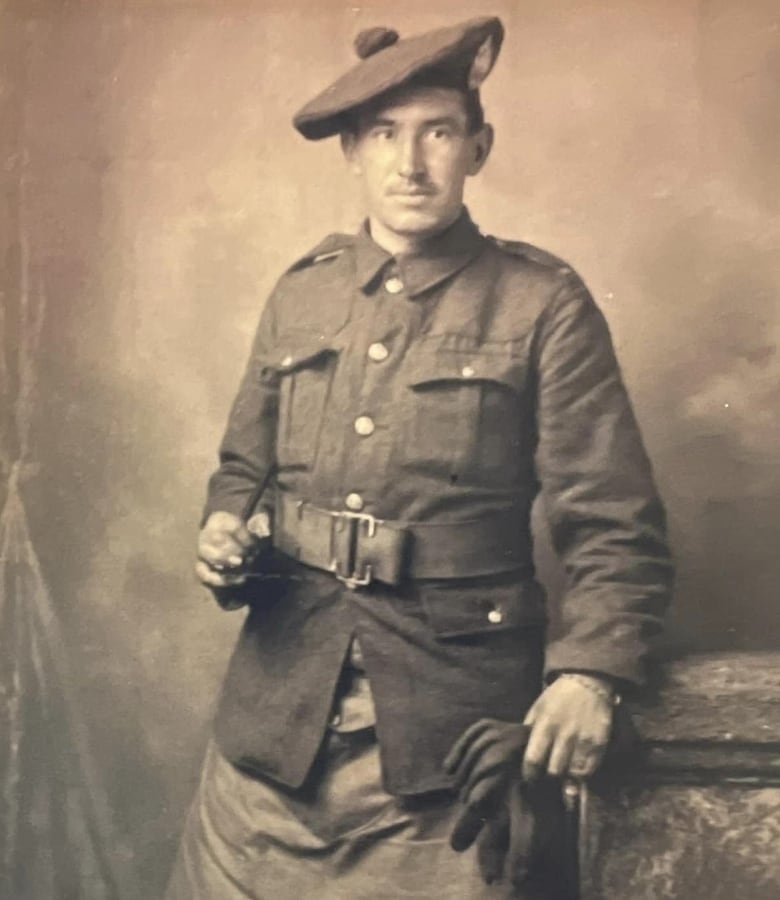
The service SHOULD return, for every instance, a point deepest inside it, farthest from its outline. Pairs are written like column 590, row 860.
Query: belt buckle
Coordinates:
column 352, row 579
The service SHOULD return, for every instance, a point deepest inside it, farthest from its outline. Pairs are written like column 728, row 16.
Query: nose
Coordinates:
column 411, row 163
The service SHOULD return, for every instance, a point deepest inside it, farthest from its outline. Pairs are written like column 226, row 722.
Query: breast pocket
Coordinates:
column 306, row 369
column 463, row 416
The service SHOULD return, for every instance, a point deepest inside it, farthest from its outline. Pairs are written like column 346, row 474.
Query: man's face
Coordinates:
column 413, row 155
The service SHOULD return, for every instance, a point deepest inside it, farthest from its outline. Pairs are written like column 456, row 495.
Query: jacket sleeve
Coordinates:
column 606, row 519
column 247, row 454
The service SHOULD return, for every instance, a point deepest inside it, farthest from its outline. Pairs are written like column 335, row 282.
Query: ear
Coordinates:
column 482, row 144
column 349, row 149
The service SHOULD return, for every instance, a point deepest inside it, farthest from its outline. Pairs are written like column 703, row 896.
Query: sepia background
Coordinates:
column 152, row 190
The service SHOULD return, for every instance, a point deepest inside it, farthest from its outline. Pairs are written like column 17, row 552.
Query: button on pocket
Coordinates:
column 306, row 370
column 378, row 352
column 364, row 426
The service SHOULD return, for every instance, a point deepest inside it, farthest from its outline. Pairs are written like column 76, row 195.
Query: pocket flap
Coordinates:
column 301, row 352
column 429, row 367
column 460, row 611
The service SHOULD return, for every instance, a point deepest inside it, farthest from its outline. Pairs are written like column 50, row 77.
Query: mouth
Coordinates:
column 411, row 198
column 412, row 192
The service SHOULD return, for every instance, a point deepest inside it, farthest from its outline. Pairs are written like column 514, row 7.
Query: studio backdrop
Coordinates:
column 153, row 190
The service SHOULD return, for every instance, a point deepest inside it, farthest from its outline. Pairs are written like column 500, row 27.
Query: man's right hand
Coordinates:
column 225, row 546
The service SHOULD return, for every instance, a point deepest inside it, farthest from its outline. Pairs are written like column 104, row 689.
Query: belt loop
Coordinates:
column 370, row 523
column 335, row 524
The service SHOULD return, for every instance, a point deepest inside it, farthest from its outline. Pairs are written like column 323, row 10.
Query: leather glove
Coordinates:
column 497, row 813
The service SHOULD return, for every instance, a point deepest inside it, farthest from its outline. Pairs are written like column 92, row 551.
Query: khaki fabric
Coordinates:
column 345, row 839
column 497, row 376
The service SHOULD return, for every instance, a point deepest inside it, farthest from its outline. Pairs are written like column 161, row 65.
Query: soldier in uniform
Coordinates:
column 411, row 388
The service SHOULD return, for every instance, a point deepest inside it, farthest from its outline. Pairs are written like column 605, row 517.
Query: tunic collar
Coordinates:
column 442, row 256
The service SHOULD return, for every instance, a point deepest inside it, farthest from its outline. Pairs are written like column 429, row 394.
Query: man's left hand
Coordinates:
column 570, row 725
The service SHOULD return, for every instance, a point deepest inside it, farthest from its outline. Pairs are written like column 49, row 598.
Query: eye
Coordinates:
column 439, row 133
column 382, row 133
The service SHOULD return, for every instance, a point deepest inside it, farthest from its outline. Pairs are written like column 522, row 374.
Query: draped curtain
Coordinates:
column 57, row 839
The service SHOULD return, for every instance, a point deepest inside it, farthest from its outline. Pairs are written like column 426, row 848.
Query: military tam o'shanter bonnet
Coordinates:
column 458, row 56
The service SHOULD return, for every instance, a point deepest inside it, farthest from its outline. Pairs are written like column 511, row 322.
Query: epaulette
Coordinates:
column 529, row 251
column 331, row 248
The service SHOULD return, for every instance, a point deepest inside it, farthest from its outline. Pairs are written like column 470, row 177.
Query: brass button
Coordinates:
column 468, row 371
column 364, row 426
column 394, row 285
column 378, row 352
column 495, row 617
column 287, row 362
column 354, row 502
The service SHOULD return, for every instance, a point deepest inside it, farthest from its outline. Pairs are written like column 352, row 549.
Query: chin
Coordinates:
column 417, row 222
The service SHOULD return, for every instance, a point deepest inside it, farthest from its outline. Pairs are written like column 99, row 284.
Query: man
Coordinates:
column 409, row 389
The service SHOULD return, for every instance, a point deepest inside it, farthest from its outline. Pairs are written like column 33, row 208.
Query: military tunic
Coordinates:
column 441, row 388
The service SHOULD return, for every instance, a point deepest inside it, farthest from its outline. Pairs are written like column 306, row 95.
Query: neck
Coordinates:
column 403, row 244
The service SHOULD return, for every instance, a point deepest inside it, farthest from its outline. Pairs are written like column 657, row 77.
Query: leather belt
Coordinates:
column 359, row 548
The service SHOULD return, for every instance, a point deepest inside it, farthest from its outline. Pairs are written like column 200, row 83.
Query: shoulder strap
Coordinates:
column 529, row 251
column 331, row 248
